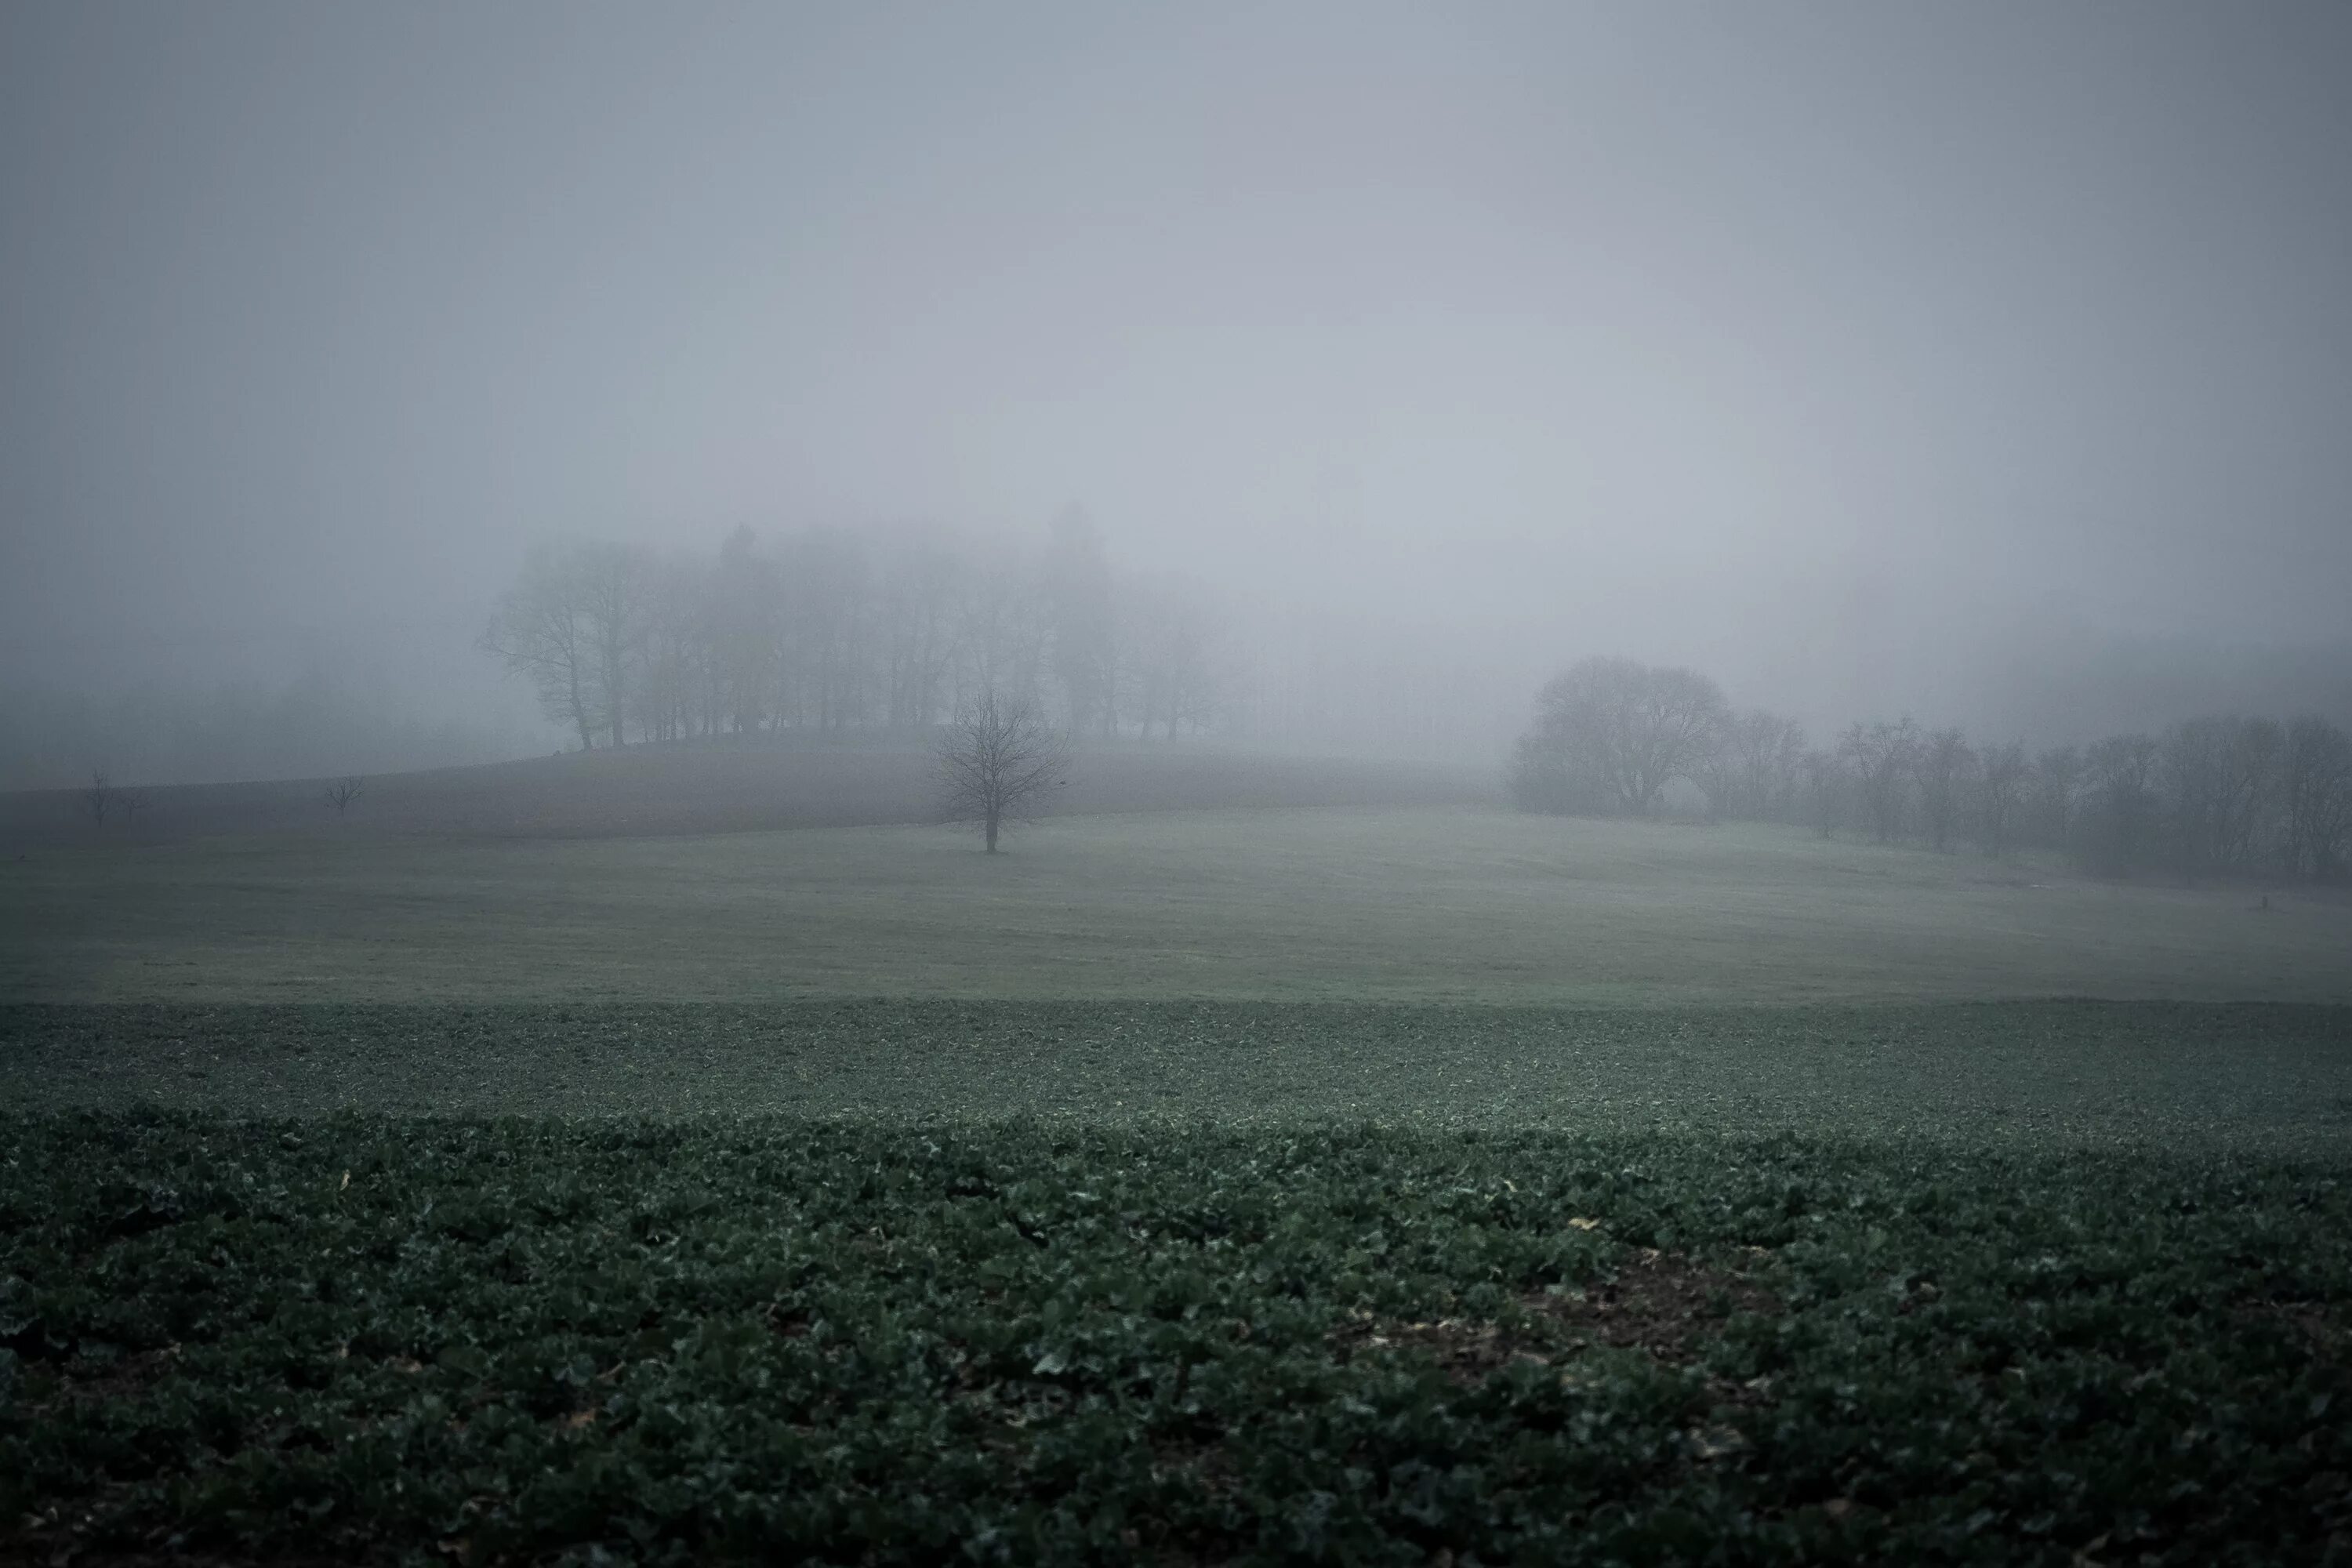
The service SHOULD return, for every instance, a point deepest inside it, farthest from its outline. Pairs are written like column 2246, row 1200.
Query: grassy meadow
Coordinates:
column 847, row 779
column 1342, row 1177
column 1424, row 904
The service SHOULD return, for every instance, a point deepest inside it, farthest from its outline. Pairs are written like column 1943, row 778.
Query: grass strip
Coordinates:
column 2264, row 1076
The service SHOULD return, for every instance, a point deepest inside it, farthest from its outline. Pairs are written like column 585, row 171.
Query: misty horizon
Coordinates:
column 1990, row 367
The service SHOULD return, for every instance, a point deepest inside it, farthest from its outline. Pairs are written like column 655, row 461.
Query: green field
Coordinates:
column 1356, row 904
column 853, row 1342
column 2250, row 1077
column 1319, row 1185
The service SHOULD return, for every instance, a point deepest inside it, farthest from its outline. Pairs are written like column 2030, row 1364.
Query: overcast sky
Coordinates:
column 1745, row 333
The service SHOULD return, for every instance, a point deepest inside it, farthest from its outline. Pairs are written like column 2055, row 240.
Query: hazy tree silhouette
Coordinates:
column 1000, row 760
column 540, row 629
column 1611, row 733
column 1753, row 771
column 2317, row 779
column 2057, row 783
column 1825, row 782
column 2119, row 822
column 1167, row 653
column 1880, row 755
column 2001, row 795
column 1942, row 763
column 1080, row 622
column 611, row 585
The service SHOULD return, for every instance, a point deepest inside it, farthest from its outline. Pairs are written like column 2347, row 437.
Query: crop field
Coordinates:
column 1336, row 1184
column 1039, row 1282
column 861, row 1342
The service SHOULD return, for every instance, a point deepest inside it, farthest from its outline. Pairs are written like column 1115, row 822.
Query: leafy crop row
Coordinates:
column 511, row 1341
column 2248, row 1075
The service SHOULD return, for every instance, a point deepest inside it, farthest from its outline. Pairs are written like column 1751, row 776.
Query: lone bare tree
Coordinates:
column 342, row 792
column 99, row 798
column 999, row 761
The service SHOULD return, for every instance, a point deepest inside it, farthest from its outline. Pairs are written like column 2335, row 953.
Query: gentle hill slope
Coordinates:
column 723, row 788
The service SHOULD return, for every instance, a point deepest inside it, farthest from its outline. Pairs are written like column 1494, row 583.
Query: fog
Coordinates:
column 1989, row 363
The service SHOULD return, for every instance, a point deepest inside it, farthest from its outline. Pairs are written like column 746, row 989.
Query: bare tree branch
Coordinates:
column 542, row 629
column 999, row 761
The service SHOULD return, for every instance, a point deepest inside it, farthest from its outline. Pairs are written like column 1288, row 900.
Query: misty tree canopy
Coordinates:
column 837, row 629
column 2218, row 794
column 1611, row 733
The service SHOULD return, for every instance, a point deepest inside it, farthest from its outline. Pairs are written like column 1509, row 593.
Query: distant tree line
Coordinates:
column 2220, row 794
column 832, row 629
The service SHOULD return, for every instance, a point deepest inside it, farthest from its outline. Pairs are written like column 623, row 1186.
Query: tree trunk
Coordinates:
column 580, row 709
column 991, row 832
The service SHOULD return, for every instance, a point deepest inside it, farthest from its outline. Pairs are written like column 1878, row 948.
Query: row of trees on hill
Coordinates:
column 2225, row 793
column 833, row 629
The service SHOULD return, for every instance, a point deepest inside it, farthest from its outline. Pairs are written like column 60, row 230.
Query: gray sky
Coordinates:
column 1774, row 337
